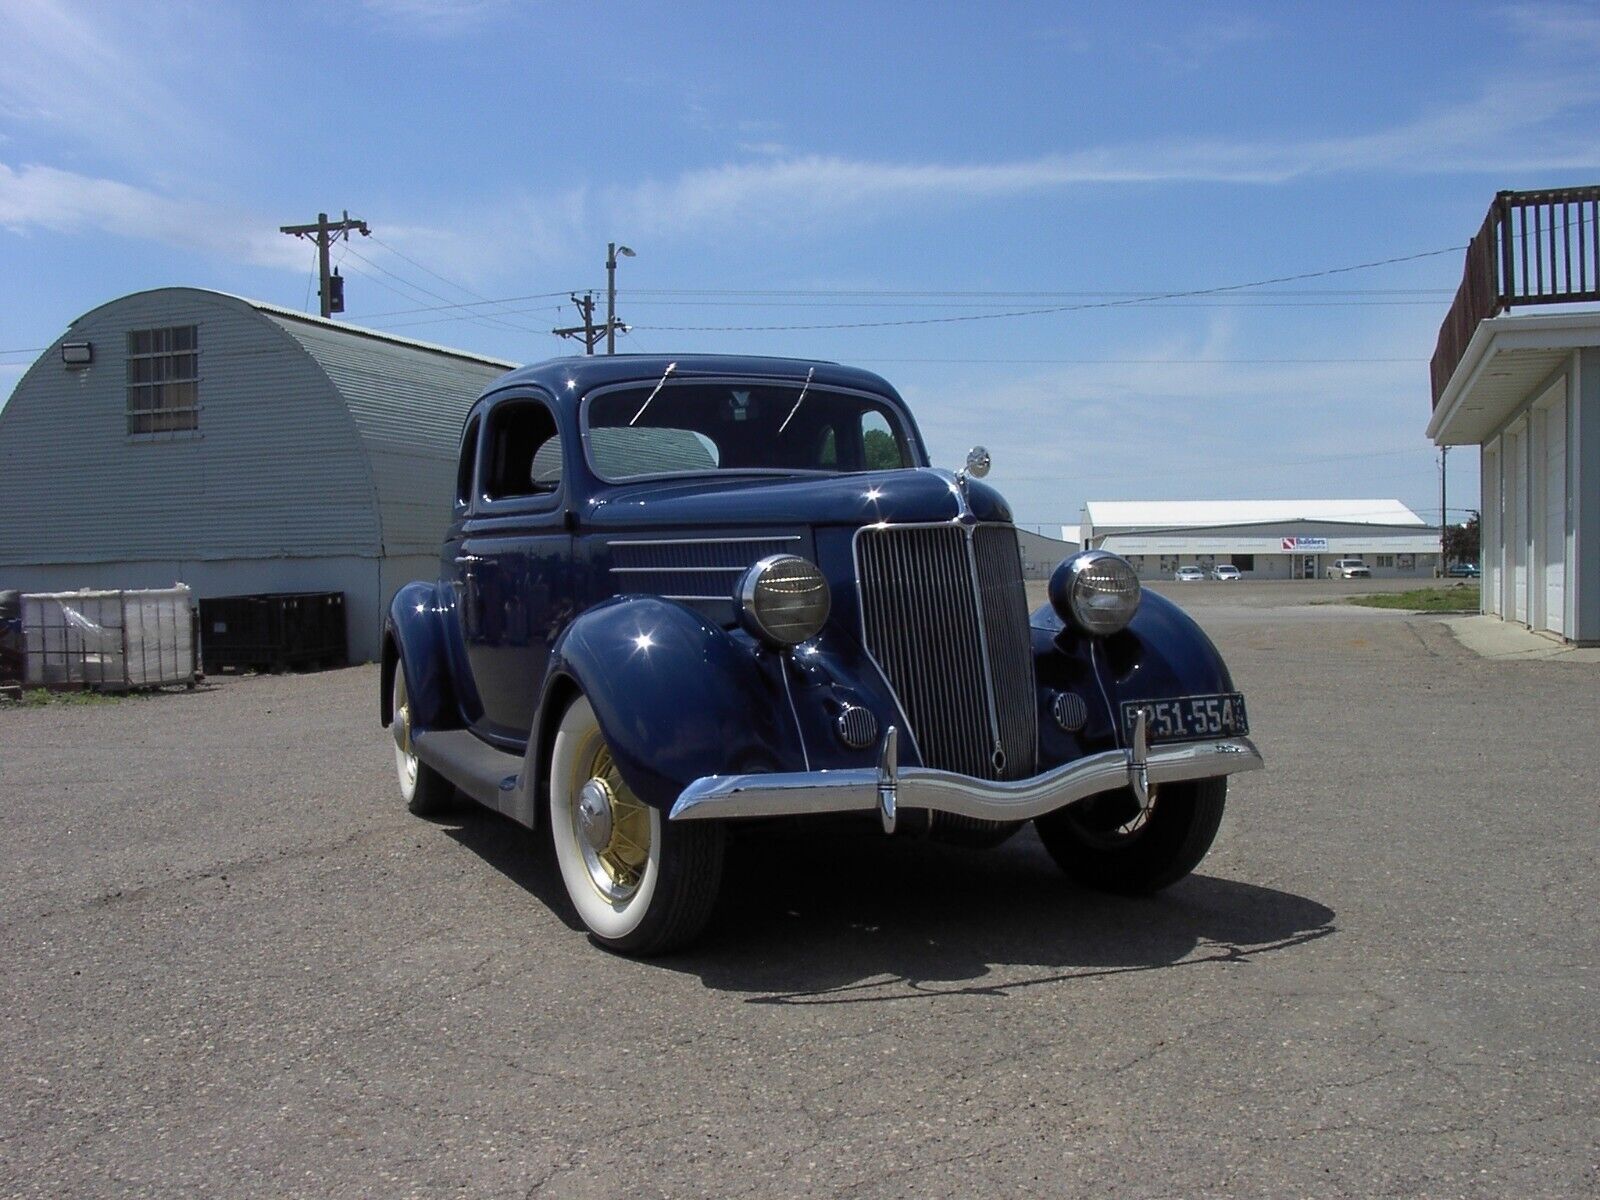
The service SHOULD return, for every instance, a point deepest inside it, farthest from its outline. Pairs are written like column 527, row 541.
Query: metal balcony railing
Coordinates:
column 1533, row 248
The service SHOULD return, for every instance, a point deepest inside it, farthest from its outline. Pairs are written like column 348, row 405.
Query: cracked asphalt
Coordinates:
column 233, row 965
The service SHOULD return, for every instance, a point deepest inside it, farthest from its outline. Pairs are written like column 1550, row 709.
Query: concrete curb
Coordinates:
column 1490, row 637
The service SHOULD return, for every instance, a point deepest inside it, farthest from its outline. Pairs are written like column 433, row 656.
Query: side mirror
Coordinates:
column 977, row 462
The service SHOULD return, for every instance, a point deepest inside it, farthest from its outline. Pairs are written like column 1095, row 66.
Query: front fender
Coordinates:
column 677, row 697
column 1162, row 654
column 414, row 640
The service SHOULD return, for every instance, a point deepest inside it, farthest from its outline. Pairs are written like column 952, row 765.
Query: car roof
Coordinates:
column 570, row 378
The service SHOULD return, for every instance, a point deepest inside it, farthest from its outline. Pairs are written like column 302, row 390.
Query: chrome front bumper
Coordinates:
column 889, row 787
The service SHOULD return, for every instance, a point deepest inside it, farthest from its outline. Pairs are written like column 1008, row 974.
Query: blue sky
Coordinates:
column 779, row 165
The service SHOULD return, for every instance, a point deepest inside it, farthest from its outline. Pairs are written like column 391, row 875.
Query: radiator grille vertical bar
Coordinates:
column 933, row 600
column 1005, row 617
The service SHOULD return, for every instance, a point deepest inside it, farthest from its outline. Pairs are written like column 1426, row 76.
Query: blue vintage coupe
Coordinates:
column 681, row 595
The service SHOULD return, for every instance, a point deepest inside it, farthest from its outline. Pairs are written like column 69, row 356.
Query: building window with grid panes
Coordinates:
column 163, row 380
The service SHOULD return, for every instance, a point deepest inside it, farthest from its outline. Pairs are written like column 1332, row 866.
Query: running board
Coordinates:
column 488, row 775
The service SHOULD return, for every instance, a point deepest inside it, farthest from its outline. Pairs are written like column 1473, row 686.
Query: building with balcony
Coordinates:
column 1524, row 387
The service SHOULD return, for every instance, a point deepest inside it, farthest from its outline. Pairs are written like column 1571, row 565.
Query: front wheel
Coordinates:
column 1107, row 843
column 640, row 884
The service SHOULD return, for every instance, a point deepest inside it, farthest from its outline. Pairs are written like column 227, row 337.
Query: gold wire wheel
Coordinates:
column 611, row 824
column 405, row 755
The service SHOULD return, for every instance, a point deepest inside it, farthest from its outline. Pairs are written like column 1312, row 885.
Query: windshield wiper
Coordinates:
column 671, row 367
column 809, row 373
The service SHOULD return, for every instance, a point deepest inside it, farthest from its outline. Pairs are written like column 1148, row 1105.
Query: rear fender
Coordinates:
column 676, row 696
column 414, row 640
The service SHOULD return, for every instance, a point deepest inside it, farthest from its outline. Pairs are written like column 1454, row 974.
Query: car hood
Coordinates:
column 917, row 494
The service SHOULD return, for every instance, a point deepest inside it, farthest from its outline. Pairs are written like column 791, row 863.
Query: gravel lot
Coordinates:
column 234, row 965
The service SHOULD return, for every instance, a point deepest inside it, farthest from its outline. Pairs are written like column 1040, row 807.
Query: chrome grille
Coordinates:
column 944, row 614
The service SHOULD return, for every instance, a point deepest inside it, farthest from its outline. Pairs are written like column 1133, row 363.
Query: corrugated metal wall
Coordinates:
column 319, row 449
column 276, row 467
column 409, row 405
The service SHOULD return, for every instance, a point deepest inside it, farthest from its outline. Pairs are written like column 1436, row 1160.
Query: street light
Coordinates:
column 612, row 250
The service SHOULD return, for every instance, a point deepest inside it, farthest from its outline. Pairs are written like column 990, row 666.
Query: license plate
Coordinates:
column 1188, row 717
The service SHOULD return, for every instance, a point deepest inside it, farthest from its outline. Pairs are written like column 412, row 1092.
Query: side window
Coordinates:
column 469, row 459
column 522, row 454
column 880, row 448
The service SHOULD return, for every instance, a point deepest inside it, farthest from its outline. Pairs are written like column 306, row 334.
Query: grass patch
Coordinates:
column 40, row 697
column 1456, row 597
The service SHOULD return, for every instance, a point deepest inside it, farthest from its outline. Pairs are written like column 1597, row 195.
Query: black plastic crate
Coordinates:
column 11, row 653
column 282, row 631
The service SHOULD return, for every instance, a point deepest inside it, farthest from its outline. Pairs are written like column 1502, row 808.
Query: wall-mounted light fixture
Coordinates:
column 77, row 354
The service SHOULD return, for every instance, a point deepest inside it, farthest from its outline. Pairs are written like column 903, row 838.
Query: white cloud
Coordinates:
column 37, row 197
column 1506, row 128
column 68, row 70
column 437, row 18
column 1173, row 428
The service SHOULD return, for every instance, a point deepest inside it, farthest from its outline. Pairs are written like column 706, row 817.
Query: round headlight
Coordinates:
column 783, row 600
column 1097, row 591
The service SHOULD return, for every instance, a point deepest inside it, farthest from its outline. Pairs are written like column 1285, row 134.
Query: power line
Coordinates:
column 885, row 293
column 1134, row 361
column 417, row 287
column 1266, row 300
column 406, row 312
column 1034, row 312
column 460, row 287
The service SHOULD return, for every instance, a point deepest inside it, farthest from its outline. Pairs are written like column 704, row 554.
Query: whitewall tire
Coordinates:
column 426, row 792
column 640, row 884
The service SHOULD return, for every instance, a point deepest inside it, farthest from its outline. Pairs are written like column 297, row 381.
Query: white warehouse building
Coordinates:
column 1265, row 539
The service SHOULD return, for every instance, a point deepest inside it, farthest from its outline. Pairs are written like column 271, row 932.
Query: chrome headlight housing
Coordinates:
column 783, row 600
column 1097, row 591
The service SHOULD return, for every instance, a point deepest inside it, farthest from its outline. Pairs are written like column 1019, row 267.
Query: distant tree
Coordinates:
column 1461, row 541
column 881, row 451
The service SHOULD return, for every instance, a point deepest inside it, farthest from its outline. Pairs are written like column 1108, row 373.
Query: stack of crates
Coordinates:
column 281, row 631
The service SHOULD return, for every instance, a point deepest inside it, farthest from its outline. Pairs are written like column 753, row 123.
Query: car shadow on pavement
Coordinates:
column 845, row 915
column 853, row 917
column 522, row 855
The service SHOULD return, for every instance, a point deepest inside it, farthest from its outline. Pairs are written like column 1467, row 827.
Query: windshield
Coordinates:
column 704, row 427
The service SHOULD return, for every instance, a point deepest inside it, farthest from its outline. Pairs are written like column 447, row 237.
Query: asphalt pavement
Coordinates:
column 234, row 965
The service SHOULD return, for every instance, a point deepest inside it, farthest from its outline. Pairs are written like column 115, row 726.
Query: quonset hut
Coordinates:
column 183, row 434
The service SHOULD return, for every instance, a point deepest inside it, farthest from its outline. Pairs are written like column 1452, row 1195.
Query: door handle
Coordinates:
column 463, row 560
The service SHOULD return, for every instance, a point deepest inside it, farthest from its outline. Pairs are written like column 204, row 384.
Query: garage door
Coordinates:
column 1553, row 537
column 1516, row 523
column 1491, row 550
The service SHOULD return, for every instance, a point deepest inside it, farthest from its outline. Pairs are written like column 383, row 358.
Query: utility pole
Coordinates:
column 323, row 233
column 612, row 250
column 587, row 330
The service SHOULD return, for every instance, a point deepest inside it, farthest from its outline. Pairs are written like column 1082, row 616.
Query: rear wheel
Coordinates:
column 426, row 792
column 640, row 884
column 1109, row 844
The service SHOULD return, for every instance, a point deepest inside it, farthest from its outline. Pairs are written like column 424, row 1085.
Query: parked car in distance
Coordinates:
column 1349, row 568
column 1189, row 575
column 1226, row 573
column 1463, row 570
column 680, row 595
